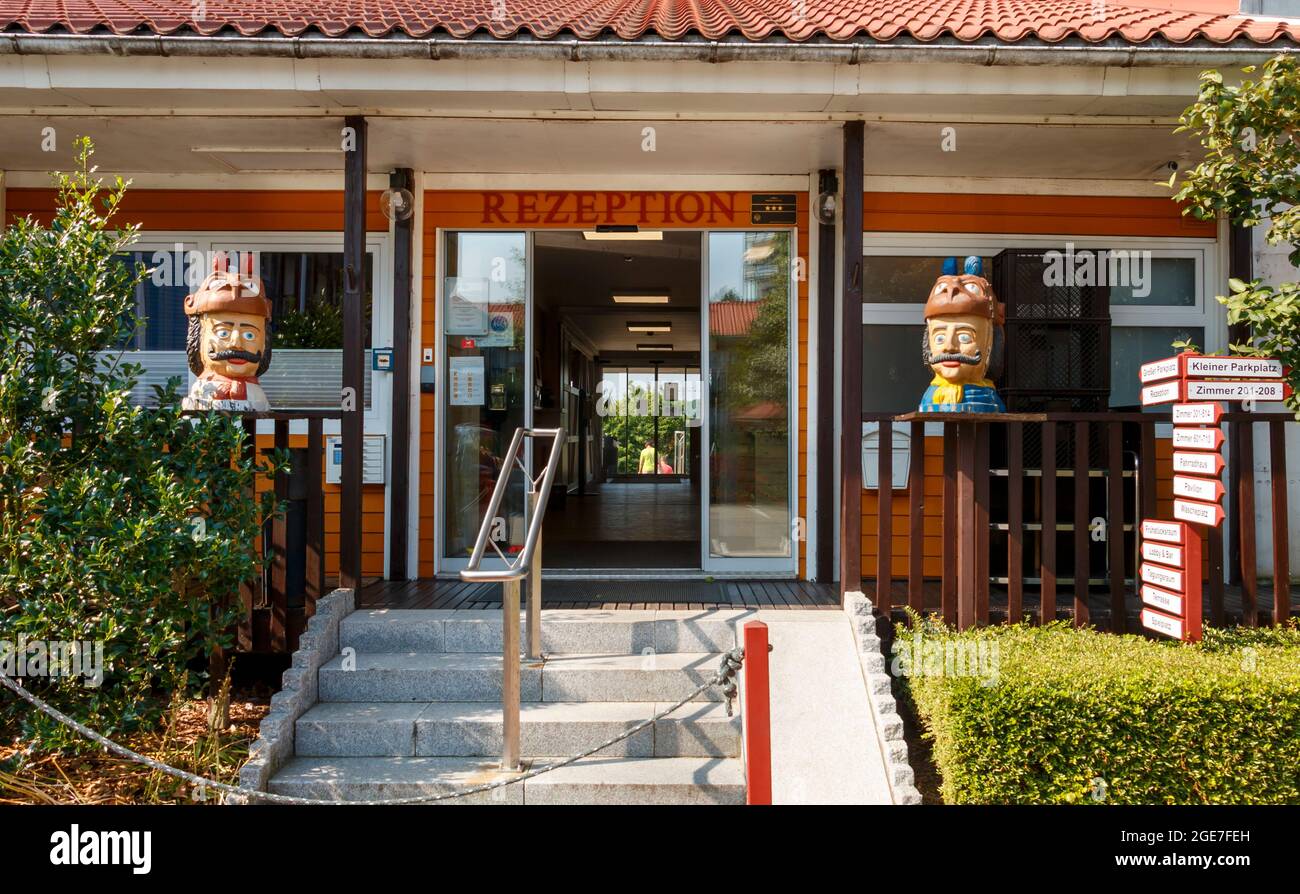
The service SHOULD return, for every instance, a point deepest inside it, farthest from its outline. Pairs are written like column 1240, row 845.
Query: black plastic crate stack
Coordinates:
column 1057, row 337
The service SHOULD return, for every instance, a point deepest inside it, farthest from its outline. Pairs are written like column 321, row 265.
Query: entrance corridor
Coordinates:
column 634, row 524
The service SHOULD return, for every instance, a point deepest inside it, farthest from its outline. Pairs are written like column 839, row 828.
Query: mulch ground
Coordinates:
column 96, row 777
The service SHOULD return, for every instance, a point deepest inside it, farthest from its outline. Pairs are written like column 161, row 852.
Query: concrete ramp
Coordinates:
column 824, row 744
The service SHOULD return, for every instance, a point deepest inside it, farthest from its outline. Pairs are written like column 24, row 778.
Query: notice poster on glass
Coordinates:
column 467, row 303
column 467, row 381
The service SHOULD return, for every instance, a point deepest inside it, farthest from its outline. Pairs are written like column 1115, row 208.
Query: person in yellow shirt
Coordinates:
column 646, row 466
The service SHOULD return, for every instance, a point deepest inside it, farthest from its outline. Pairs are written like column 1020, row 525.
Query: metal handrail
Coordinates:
column 527, row 562
column 539, row 489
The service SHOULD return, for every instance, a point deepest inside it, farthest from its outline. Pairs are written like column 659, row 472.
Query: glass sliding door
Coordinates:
column 749, row 418
column 485, row 396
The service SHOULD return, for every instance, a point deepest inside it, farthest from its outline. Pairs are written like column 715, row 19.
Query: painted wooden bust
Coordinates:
column 963, row 336
column 228, row 343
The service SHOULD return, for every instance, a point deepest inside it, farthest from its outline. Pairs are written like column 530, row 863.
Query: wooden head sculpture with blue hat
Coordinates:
column 963, row 338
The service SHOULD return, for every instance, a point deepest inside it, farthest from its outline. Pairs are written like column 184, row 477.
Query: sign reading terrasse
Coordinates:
column 592, row 209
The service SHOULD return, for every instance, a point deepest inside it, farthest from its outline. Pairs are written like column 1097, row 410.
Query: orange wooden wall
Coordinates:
column 515, row 210
column 256, row 210
column 976, row 213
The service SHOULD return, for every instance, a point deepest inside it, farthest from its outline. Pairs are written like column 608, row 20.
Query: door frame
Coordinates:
column 780, row 567
column 771, row 566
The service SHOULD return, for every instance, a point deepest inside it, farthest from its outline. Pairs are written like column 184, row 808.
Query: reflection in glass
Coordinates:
column 1132, row 346
column 483, row 323
column 750, row 508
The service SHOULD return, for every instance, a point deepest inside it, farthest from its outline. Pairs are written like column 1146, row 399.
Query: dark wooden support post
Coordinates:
column 1015, row 521
column 1244, row 449
column 1241, row 265
column 885, row 518
column 1047, row 556
column 279, row 595
column 1115, row 523
column 315, row 571
column 399, row 501
column 967, row 541
column 1081, row 570
column 851, row 364
column 948, row 588
column 825, row 484
column 354, row 328
column 1281, row 530
column 916, row 520
column 981, row 524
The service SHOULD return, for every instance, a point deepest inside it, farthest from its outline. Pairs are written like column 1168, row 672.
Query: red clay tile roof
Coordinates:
column 732, row 317
column 798, row 20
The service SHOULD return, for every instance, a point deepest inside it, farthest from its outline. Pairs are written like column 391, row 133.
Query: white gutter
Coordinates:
column 990, row 53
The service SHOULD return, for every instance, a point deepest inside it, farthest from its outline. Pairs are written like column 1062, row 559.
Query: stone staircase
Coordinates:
column 412, row 706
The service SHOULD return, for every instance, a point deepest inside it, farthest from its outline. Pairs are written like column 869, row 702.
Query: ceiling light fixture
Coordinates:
column 654, row 347
column 622, row 233
column 649, row 327
column 622, row 298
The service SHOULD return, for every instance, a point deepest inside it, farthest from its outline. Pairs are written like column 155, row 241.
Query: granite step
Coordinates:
column 473, row 729
column 595, row 780
column 564, row 631
column 469, row 677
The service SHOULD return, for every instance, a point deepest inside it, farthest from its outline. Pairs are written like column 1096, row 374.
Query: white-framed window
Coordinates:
column 303, row 275
column 1173, row 301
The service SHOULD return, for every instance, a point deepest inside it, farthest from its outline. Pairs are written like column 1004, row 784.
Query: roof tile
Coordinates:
column 881, row 20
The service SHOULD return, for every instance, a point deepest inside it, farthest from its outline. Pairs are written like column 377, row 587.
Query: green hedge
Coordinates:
column 1061, row 715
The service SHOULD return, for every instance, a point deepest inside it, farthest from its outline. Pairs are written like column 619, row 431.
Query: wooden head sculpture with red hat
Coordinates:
column 963, row 338
column 228, row 343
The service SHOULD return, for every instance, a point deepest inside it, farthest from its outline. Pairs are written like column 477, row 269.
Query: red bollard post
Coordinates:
column 757, row 716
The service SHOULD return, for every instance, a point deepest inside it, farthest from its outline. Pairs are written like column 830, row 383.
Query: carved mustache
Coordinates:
column 236, row 354
column 969, row 359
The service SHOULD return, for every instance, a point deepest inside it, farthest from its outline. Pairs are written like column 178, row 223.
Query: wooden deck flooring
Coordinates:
column 610, row 594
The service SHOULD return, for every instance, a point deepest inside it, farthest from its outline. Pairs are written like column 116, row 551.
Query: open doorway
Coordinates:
column 616, row 327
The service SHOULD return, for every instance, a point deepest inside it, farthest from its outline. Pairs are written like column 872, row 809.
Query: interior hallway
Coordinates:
column 625, row 525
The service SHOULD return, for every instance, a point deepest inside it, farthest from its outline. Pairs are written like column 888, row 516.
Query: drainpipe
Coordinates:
column 986, row 52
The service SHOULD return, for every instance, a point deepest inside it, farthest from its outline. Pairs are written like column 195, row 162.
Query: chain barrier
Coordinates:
column 724, row 679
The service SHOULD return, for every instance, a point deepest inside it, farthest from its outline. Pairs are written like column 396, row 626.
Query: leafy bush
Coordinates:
column 118, row 524
column 1251, row 175
column 1077, row 716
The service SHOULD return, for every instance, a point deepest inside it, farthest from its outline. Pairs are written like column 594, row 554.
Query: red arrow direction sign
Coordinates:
column 1198, row 513
column 1198, row 366
column 1159, row 370
column 1259, row 389
column 1162, row 599
column 1159, row 622
column 1197, row 414
column 1163, row 393
column 1168, row 578
column 1208, row 489
column 1163, row 553
column 1198, row 463
column 1164, row 531
column 1198, row 438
